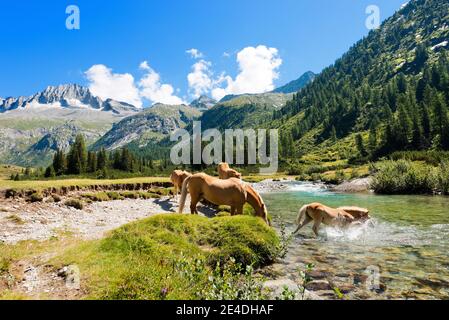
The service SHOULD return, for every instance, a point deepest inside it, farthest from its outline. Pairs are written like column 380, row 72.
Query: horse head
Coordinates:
column 256, row 201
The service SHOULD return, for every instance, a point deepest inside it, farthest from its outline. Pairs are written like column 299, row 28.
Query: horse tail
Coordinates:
column 185, row 186
column 301, row 218
column 302, row 214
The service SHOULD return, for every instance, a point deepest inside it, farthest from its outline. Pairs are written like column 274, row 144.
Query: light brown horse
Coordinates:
column 177, row 178
column 319, row 213
column 225, row 172
column 359, row 214
column 231, row 192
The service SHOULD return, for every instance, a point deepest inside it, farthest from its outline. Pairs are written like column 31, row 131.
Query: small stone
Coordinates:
column 360, row 279
column 318, row 285
column 318, row 275
column 325, row 294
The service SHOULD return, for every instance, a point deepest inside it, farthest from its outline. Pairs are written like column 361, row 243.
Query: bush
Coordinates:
column 115, row 195
column 36, row 197
column 148, row 195
column 404, row 177
column 443, row 178
column 56, row 198
column 433, row 157
column 130, row 195
column 74, row 203
column 97, row 197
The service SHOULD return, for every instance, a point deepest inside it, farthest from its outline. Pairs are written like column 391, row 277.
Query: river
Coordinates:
column 403, row 253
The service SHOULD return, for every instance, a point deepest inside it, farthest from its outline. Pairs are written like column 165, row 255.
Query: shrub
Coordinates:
column 148, row 195
column 115, row 195
column 56, row 198
column 74, row 203
column 36, row 197
column 443, row 178
column 97, row 197
column 130, row 195
column 404, row 177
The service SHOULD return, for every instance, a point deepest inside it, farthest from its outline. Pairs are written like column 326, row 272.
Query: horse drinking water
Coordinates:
column 231, row 192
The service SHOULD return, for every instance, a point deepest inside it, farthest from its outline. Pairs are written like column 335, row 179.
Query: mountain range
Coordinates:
column 33, row 128
column 390, row 91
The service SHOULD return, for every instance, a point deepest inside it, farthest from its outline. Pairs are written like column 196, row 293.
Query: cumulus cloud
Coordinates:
column 195, row 53
column 200, row 79
column 151, row 88
column 258, row 68
column 105, row 84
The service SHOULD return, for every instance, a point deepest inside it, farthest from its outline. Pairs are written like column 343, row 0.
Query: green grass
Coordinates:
column 74, row 203
column 139, row 260
column 7, row 170
column 40, row 185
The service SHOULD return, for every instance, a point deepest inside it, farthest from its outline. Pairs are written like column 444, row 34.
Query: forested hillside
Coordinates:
column 389, row 92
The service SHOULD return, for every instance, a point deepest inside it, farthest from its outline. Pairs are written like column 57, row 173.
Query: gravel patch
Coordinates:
column 41, row 221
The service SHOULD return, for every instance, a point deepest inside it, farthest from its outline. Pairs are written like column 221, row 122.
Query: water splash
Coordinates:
column 374, row 233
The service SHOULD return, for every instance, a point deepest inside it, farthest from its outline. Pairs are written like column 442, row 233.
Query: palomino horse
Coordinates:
column 359, row 214
column 319, row 213
column 177, row 178
column 225, row 172
column 231, row 192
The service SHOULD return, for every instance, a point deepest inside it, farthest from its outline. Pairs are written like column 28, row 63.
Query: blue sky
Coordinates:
column 38, row 50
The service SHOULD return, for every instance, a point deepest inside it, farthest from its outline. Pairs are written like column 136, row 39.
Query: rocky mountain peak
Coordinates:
column 203, row 103
column 66, row 96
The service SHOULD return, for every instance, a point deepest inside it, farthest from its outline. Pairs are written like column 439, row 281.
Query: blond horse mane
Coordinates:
column 256, row 201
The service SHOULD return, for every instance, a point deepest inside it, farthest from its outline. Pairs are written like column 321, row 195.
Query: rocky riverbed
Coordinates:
column 21, row 220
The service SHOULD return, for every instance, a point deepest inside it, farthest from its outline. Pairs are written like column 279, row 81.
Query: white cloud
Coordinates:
column 258, row 69
column 195, row 53
column 200, row 79
column 105, row 84
column 151, row 88
column 144, row 66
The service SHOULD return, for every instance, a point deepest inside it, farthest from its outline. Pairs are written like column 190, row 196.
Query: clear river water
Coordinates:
column 403, row 253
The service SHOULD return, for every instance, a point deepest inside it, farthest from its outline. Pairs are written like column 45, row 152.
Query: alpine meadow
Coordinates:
column 107, row 191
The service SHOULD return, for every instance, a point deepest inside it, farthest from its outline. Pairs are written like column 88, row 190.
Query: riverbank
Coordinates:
column 34, row 234
column 167, row 256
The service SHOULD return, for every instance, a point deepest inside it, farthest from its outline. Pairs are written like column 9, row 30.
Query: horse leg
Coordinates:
column 194, row 199
column 240, row 210
column 306, row 221
column 232, row 211
column 316, row 226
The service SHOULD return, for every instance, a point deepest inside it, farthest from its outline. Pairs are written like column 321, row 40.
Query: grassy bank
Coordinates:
column 168, row 257
column 85, row 182
column 407, row 177
column 44, row 184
